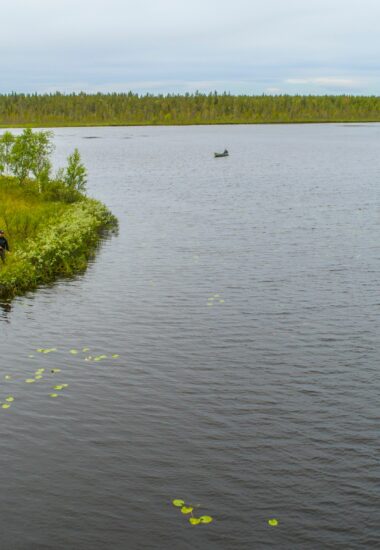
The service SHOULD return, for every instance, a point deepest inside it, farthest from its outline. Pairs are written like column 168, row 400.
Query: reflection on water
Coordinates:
column 5, row 309
column 242, row 300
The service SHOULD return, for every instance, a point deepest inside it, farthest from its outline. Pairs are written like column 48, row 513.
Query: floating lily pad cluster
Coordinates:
column 188, row 510
column 8, row 400
column 41, row 372
column 214, row 299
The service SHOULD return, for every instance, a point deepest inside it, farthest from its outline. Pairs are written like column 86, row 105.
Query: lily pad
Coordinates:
column 205, row 519
column 85, row 349
column 54, row 395
column 186, row 509
column 7, row 377
column 179, row 503
column 10, row 399
column 55, row 371
column 74, row 352
column 115, row 356
column 38, row 377
column 194, row 521
column 5, row 406
column 30, row 380
column 273, row 522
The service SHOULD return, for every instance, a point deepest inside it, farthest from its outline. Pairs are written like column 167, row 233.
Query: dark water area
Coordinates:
column 242, row 295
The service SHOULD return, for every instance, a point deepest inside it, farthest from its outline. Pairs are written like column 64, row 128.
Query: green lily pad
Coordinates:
column 55, row 371
column 273, row 522
column 85, row 349
column 60, row 387
column 178, row 502
column 10, row 399
column 194, row 521
column 30, row 380
column 5, row 406
column 54, row 395
column 205, row 519
column 38, row 377
column 73, row 351
column 186, row 509
column 115, row 356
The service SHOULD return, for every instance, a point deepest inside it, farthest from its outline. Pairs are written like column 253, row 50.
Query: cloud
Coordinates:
column 326, row 81
column 165, row 45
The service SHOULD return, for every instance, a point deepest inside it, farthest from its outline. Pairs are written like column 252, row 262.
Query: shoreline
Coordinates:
column 150, row 124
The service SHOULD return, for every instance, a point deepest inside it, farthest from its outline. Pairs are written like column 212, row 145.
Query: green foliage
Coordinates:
column 75, row 176
column 6, row 144
column 30, row 154
column 27, row 157
column 133, row 109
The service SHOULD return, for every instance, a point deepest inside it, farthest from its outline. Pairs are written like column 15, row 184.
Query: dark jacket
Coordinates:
column 4, row 244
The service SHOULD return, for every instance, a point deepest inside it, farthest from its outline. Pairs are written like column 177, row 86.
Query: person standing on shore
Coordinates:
column 3, row 246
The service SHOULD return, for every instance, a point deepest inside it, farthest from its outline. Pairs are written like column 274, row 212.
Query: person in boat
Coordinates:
column 3, row 246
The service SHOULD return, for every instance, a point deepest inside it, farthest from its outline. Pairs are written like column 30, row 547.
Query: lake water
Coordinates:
column 242, row 295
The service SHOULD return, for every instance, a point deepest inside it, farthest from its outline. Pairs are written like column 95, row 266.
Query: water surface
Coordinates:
column 263, row 404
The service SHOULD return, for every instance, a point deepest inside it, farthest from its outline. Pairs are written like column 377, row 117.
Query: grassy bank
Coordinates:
column 48, row 238
column 126, row 109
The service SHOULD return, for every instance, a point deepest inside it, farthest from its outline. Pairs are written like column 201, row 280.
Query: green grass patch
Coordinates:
column 48, row 238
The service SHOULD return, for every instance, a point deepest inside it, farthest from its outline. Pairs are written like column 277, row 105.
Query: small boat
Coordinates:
column 224, row 154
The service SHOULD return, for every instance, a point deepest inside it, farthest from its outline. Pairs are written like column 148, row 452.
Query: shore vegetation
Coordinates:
column 51, row 225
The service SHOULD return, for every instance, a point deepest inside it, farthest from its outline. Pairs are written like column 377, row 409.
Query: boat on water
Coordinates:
column 224, row 154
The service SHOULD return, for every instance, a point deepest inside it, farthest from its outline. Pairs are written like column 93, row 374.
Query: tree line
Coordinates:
column 59, row 109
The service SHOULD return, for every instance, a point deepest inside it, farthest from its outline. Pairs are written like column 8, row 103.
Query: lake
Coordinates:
column 242, row 297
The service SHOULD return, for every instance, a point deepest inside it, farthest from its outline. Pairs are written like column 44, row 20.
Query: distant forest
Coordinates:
column 132, row 109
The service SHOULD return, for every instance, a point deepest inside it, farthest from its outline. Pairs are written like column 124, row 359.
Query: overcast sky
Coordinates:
column 160, row 46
